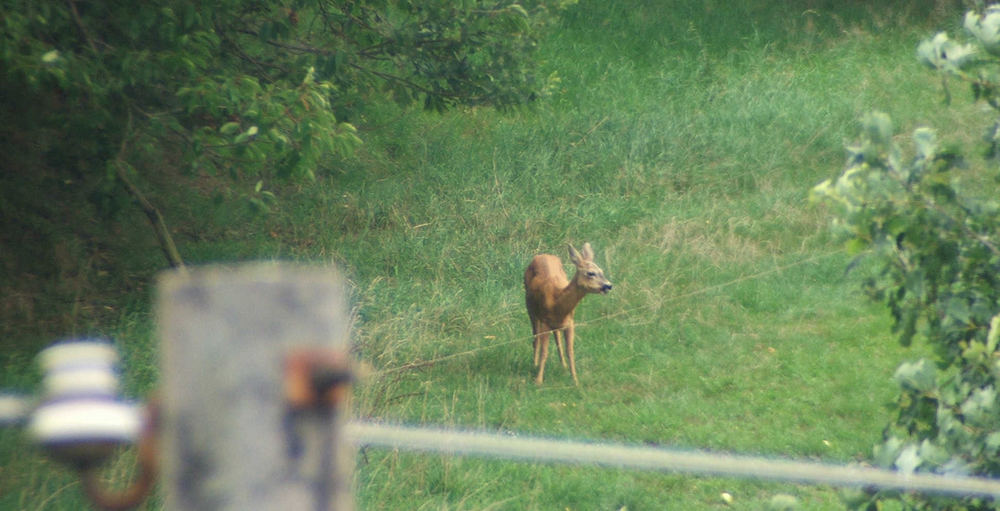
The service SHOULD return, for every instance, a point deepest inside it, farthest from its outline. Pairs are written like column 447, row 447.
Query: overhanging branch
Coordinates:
column 154, row 216
column 152, row 213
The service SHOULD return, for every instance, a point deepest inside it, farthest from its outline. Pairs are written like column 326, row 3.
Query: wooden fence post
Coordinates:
column 231, row 439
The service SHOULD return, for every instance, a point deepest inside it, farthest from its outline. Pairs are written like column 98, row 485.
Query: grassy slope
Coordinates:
column 682, row 146
column 689, row 173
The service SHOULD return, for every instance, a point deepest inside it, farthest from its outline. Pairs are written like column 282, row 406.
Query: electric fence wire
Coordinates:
column 663, row 459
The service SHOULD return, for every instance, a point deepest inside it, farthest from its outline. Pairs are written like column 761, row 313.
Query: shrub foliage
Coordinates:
column 109, row 91
column 936, row 245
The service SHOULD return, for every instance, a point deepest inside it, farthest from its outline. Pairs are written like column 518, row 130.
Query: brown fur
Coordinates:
column 551, row 299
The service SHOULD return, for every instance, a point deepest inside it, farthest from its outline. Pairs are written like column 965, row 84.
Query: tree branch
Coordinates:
column 79, row 25
column 155, row 218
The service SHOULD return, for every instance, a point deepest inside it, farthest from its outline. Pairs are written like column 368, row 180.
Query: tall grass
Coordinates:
column 731, row 326
column 682, row 145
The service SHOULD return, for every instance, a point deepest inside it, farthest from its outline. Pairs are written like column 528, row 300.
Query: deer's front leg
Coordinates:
column 560, row 338
column 568, row 334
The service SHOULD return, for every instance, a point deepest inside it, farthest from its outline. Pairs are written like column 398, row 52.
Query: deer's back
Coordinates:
column 543, row 279
column 544, row 271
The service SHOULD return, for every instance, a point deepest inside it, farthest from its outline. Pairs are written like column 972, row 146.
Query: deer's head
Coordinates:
column 589, row 276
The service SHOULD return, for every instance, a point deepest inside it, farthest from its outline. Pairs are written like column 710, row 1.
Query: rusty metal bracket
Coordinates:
column 317, row 385
column 147, row 459
column 316, row 379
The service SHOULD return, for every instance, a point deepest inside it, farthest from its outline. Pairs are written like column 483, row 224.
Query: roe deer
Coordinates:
column 551, row 299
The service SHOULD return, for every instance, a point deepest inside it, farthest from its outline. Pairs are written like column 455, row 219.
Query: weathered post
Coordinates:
column 253, row 389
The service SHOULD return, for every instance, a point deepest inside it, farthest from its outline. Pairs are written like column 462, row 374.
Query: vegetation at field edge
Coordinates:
column 681, row 142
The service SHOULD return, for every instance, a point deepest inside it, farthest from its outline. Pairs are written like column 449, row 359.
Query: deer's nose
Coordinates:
column 606, row 287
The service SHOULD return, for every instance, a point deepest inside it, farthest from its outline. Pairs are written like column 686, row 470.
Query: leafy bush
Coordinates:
column 936, row 246
column 260, row 90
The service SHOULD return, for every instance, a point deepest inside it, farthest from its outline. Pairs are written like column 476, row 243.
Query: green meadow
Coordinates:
column 682, row 143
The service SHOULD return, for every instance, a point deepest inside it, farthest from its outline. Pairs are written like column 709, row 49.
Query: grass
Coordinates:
column 682, row 145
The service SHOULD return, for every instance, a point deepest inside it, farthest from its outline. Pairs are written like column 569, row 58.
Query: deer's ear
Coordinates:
column 588, row 253
column 575, row 256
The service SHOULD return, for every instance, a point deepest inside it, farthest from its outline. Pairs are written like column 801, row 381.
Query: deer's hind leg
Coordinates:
column 541, row 342
column 541, row 354
column 536, row 339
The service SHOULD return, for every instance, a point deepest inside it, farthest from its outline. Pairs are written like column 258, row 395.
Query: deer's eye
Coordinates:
column 591, row 274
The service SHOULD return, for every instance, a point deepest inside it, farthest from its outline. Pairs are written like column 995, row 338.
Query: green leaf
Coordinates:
column 277, row 136
column 941, row 53
column 886, row 453
column 908, row 460
column 993, row 441
column 932, row 453
column 519, row 10
column 919, row 376
column 229, row 128
column 986, row 28
column 925, row 140
column 878, row 127
column 994, row 334
column 50, row 57
column 246, row 136
column 958, row 310
column 982, row 402
column 259, row 205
